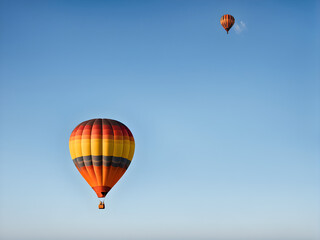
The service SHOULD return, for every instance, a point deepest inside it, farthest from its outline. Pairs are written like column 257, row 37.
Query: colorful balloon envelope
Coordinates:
column 227, row 22
column 102, row 150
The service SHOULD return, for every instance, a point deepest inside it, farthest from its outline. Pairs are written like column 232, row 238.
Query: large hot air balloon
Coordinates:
column 102, row 150
column 227, row 22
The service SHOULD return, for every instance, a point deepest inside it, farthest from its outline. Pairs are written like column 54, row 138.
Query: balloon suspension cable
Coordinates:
column 101, row 200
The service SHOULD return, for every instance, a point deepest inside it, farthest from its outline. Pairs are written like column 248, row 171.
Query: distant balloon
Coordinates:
column 102, row 150
column 227, row 22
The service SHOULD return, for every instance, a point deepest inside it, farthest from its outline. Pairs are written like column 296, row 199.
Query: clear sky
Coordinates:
column 226, row 126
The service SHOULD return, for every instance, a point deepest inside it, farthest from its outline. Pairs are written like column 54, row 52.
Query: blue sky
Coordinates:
column 226, row 126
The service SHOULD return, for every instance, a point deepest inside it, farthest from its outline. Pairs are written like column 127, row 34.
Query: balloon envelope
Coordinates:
column 227, row 22
column 102, row 150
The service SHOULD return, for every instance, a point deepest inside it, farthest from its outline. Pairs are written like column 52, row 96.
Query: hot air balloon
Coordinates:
column 102, row 150
column 227, row 22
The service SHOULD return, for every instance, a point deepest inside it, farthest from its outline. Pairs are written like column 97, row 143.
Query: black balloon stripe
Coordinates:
column 99, row 161
column 79, row 162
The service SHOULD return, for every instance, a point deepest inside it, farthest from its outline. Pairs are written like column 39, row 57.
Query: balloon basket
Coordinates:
column 101, row 205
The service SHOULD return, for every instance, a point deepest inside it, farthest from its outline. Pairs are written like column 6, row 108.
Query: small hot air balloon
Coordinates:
column 102, row 150
column 227, row 22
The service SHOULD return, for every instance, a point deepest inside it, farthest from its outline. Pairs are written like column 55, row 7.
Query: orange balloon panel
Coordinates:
column 227, row 22
column 102, row 150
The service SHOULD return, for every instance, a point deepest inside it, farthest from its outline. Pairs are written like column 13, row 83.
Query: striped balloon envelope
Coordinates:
column 102, row 150
column 227, row 22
